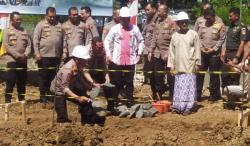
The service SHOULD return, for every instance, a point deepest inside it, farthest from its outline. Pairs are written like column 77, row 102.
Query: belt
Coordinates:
column 231, row 50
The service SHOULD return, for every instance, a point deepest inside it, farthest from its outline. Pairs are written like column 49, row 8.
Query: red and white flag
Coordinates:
column 133, row 7
column 3, row 21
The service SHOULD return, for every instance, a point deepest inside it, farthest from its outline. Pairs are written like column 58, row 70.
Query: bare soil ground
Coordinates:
column 211, row 125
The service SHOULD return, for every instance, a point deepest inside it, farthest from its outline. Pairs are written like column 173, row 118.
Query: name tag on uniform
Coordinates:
column 243, row 31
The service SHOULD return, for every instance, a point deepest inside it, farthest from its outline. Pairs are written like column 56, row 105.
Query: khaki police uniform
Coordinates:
column 201, row 20
column 18, row 46
column 70, row 78
column 74, row 35
column 159, row 48
column 91, row 24
column 211, row 37
column 107, row 28
column 48, row 43
column 147, row 32
column 236, row 33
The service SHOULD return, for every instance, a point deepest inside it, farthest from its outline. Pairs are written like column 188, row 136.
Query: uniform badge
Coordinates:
column 166, row 25
column 13, row 42
column 243, row 31
column 217, row 25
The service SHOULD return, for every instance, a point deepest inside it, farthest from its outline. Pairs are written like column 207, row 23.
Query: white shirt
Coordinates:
column 127, row 44
column 184, row 52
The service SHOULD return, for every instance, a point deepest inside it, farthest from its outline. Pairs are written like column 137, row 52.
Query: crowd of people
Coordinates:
column 166, row 45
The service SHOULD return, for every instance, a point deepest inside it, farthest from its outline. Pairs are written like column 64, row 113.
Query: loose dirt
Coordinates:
column 210, row 125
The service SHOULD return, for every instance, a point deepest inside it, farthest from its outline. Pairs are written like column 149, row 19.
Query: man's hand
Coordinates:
column 138, row 58
column 235, row 60
column 165, row 57
column 196, row 67
column 38, row 57
column 208, row 50
column 222, row 56
column 107, row 79
column 149, row 57
column 244, row 67
column 108, row 59
column 83, row 99
column 97, row 85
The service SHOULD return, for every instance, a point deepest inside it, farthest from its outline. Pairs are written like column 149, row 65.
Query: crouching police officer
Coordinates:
column 71, row 84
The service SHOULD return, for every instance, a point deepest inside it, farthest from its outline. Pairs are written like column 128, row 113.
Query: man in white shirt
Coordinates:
column 128, row 46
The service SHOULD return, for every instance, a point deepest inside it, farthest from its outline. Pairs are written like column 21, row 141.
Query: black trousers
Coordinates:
column 229, row 79
column 18, row 77
column 121, row 79
column 213, row 64
column 46, row 75
column 79, row 86
column 157, row 80
column 147, row 66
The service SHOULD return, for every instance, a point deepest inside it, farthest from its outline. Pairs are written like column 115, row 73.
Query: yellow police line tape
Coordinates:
column 126, row 71
column 143, row 100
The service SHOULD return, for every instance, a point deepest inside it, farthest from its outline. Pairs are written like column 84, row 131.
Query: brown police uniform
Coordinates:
column 159, row 47
column 211, row 37
column 147, row 32
column 48, row 43
column 91, row 24
column 201, row 20
column 69, row 78
column 18, row 45
column 74, row 35
column 236, row 33
column 107, row 28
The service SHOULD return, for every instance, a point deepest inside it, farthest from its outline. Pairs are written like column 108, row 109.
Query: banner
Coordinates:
column 133, row 6
column 98, row 7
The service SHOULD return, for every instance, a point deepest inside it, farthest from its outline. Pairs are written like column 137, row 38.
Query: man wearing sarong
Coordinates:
column 185, row 58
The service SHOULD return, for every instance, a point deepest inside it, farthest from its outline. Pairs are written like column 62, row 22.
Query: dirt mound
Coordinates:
column 63, row 134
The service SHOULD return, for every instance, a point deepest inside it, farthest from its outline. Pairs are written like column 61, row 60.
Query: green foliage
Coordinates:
column 222, row 8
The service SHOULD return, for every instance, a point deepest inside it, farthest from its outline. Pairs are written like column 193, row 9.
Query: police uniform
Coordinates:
column 147, row 33
column 18, row 45
column 201, row 20
column 236, row 33
column 74, row 35
column 159, row 48
column 69, row 78
column 211, row 37
column 91, row 24
column 48, row 43
column 107, row 28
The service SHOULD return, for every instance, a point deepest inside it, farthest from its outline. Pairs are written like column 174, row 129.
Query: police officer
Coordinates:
column 18, row 46
column 236, row 37
column 212, row 35
column 108, row 26
column 158, row 52
column 75, row 33
column 147, row 32
column 48, row 45
column 199, row 22
column 70, row 84
column 89, row 21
